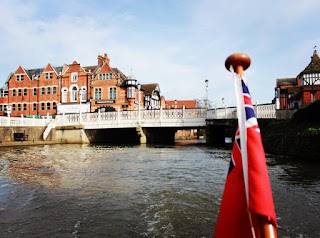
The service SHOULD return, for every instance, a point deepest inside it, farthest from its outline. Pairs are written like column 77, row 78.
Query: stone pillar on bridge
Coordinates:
column 142, row 135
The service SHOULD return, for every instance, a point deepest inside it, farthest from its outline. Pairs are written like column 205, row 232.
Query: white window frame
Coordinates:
column 113, row 93
column 64, row 95
column 74, row 77
column 131, row 92
column 48, row 75
column 20, row 77
column 74, row 90
column 83, row 94
column 98, row 93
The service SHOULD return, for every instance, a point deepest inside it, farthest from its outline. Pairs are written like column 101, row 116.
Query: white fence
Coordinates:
column 261, row 111
column 146, row 118
column 125, row 119
column 22, row 121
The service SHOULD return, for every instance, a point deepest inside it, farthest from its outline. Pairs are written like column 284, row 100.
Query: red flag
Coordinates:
column 247, row 194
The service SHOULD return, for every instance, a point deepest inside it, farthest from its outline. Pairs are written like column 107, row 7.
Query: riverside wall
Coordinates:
column 280, row 137
column 291, row 138
column 34, row 133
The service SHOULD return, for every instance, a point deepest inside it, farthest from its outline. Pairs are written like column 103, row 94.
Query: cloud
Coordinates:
column 177, row 45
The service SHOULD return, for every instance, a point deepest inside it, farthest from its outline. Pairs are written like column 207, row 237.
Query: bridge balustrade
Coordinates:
column 261, row 111
column 6, row 121
column 132, row 118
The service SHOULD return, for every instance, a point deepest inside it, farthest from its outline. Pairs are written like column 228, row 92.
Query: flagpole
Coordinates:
column 240, row 62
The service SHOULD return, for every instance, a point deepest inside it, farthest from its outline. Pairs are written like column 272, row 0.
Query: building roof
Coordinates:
column 313, row 66
column 35, row 72
column 286, row 81
column 149, row 88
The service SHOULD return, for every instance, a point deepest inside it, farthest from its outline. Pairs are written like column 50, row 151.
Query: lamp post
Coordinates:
column 139, row 101
column 206, row 84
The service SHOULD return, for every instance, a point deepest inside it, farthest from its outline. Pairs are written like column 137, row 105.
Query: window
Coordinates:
column 83, row 93
column 113, row 93
column 34, row 107
column 49, row 75
column 48, row 90
column 25, row 92
column 13, row 107
column 98, row 93
column 48, row 106
column 43, row 90
column 3, row 93
column 64, row 95
column 19, row 107
column 1, row 109
column 74, row 77
column 131, row 92
column 13, row 92
column 24, row 107
column 54, row 105
column 105, row 76
column 74, row 94
column 19, row 92
column 20, row 77
column 34, row 91
column 54, row 90
column 42, row 106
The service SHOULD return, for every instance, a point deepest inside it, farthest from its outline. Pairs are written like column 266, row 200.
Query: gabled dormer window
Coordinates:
column 49, row 75
column 74, row 77
column 20, row 77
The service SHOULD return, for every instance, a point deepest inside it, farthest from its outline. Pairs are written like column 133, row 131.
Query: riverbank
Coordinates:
column 26, row 143
column 298, row 137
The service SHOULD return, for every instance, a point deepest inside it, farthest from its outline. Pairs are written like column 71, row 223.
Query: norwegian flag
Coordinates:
column 247, row 194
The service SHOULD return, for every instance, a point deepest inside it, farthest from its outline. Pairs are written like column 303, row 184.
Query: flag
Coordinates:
column 247, row 194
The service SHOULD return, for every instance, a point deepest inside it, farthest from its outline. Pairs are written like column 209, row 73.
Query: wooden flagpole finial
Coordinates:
column 239, row 62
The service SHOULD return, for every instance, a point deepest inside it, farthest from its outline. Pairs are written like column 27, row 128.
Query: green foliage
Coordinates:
column 314, row 130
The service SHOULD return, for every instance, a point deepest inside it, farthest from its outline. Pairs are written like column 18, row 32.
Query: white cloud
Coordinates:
column 178, row 51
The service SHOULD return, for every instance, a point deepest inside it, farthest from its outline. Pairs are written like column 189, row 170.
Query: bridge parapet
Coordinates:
column 261, row 111
column 126, row 119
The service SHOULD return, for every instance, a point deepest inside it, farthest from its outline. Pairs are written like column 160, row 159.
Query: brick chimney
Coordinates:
column 100, row 60
column 106, row 59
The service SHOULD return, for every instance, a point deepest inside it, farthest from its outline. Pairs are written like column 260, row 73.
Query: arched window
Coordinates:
column 83, row 93
column 74, row 94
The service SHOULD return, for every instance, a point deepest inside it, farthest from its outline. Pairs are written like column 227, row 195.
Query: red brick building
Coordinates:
column 300, row 91
column 70, row 89
column 178, row 104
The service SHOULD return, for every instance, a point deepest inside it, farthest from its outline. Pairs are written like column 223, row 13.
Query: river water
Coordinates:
column 138, row 191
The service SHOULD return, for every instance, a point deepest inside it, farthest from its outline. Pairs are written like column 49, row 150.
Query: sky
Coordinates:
column 175, row 43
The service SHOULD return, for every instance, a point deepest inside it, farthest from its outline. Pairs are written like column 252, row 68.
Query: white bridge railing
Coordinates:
column 261, row 111
column 125, row 119
column 146, row 118
column 22, row 121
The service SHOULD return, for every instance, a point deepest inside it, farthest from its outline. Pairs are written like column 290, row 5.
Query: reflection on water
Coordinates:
column 137, row 191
